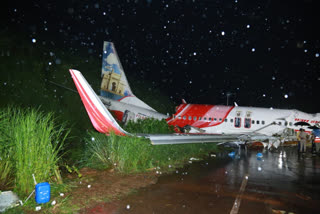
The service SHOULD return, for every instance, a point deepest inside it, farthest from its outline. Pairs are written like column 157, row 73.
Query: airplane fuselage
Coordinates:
column 221, row 119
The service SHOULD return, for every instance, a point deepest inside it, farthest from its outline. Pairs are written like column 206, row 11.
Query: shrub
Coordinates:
column 35, row 143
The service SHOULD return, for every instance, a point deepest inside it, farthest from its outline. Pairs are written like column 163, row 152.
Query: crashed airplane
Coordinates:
column 196, row 123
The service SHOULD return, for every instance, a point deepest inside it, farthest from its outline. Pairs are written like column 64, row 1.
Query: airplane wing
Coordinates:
column 161, row 139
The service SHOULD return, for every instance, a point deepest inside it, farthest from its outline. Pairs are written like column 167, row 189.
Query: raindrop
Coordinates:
column 34, row 40
column 50, row 63
column 92, row 139
column 286, row 96
column 194, row 53
column 317, row 54
column 128, row 207
column 253, row 49
column 222, row 33
column 248, row 26
column 305, row 50
column 259, row 168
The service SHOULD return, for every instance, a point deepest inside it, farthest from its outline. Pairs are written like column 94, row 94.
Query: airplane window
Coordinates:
column 237, row 122
column 258, row 122
column 194, row 118
column 279, row 123
column 247, row 123
column 226, row 120
column 252, row 121
column 231, row 120
column 184, row 117
column 262, row 122
column 179, row 117
column 220, row 119
column 215, row 119
column 209, row 118
column 200, row 118
column 286, row 123
column 204, row 118
column 190, row 117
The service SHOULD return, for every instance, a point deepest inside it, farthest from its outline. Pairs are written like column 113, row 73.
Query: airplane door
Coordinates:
column 128, row 115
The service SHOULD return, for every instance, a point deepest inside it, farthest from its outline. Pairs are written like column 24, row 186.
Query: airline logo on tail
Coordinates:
column 114, row 83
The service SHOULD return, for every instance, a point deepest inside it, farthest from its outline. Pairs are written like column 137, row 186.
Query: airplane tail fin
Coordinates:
column 114, row 84
column 100, row 117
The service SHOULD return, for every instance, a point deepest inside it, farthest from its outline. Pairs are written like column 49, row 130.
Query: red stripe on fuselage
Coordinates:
column 203, row 111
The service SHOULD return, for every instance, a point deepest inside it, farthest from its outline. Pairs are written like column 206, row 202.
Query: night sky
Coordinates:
column 261, row 53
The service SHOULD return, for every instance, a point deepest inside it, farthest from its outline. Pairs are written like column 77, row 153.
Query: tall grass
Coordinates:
column 5, row 153
column 134, row 154
column 35, row 143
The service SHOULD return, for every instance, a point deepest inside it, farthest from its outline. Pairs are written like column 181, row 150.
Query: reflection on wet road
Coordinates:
column 279, row 181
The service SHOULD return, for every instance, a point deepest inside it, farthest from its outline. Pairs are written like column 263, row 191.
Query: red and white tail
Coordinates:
column 100, row 117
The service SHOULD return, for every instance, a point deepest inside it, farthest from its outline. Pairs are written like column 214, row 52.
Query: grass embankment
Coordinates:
column 136, row 154
column 30, row 143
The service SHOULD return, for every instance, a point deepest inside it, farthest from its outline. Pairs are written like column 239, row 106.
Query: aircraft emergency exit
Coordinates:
column 196, row 123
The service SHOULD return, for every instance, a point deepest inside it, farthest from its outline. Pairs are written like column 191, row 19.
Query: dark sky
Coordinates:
column 262, row 52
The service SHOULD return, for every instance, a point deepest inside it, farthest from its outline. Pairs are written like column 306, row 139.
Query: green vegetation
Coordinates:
column 149, row 126
column 134, row 154
column 30, row 144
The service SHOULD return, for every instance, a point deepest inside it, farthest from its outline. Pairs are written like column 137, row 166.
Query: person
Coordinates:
column 303, row 140
column 312, row 137
column 298, row 138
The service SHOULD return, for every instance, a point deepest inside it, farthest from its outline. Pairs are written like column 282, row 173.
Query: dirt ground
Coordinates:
column 96, row 188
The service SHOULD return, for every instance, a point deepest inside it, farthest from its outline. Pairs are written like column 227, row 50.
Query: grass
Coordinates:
column 35, row 143
column 149, row 126
column 134, row 154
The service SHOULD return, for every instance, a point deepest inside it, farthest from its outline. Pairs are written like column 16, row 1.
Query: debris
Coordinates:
column 231, row 154
column 38, row 208
column 61, row 194
column 8, row 199
column 89, row 186
column 128, row 207
column 259, row 155
column 213, row 155
column 53, row 202
column 194, row 159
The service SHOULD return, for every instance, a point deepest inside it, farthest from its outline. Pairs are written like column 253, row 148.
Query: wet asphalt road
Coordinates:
column 280, row 182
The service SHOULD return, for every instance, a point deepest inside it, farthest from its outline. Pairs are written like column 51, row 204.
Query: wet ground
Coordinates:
column 280, row 182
